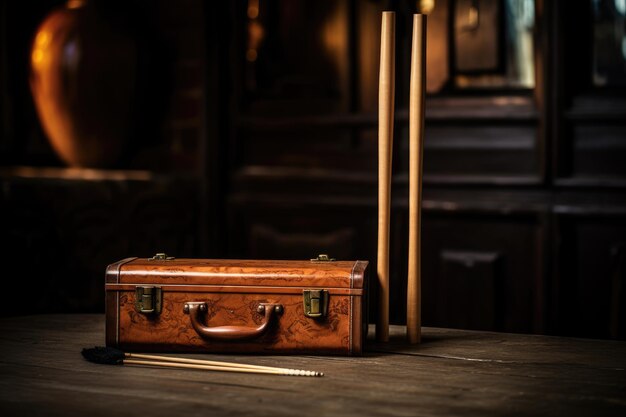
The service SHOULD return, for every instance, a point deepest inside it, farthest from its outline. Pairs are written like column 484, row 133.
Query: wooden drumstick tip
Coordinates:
column 386, row 94
column 416, row 145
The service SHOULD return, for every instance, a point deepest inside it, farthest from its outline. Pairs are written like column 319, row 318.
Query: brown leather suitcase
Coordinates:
column 235, row 306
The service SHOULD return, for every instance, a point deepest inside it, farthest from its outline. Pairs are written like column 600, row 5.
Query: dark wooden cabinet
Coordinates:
column 502, row 249
column 59, row 233
column 483, row 271
column 61, row 226
column 268, row 149
column 591, row 276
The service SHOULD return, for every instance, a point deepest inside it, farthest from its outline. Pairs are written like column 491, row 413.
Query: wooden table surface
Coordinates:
column 452, row 373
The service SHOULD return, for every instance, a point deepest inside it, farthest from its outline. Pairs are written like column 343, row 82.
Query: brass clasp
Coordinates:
column 148, row 300
column 315, row 303
column 161, row 257
column 322, row 257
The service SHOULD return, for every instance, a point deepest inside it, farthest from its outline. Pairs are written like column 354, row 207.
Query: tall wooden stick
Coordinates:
column 386, row 94
column 416, row 150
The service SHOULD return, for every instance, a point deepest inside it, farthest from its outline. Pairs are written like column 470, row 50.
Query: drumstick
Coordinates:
column 112, row 356
column 386, row 93
column 416, row 146
column 165, row 364
column 207, row 362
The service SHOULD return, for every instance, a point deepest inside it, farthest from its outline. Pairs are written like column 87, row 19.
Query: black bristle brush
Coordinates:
column 111, row 356
column 104, row 355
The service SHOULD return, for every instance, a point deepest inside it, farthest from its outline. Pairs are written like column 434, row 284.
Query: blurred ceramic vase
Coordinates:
column 83, row 71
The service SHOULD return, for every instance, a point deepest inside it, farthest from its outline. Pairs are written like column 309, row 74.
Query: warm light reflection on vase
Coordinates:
column 82, row 80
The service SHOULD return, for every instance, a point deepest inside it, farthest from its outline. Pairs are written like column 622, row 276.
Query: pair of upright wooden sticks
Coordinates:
column 386, row 96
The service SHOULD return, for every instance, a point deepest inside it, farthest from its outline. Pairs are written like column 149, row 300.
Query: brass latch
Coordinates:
column 148, row 300
column 161, row 257
column 315, row 303
column 322, row 257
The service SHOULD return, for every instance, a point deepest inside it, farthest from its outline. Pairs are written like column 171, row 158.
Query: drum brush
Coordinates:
column 112, row 356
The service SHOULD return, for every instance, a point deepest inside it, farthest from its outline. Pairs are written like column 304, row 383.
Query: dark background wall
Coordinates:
column 258, row 140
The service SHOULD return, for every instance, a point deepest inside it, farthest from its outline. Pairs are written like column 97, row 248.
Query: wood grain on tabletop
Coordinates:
column 452, row 372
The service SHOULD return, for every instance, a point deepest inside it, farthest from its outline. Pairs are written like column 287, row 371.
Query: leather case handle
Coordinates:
column 230, row 333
